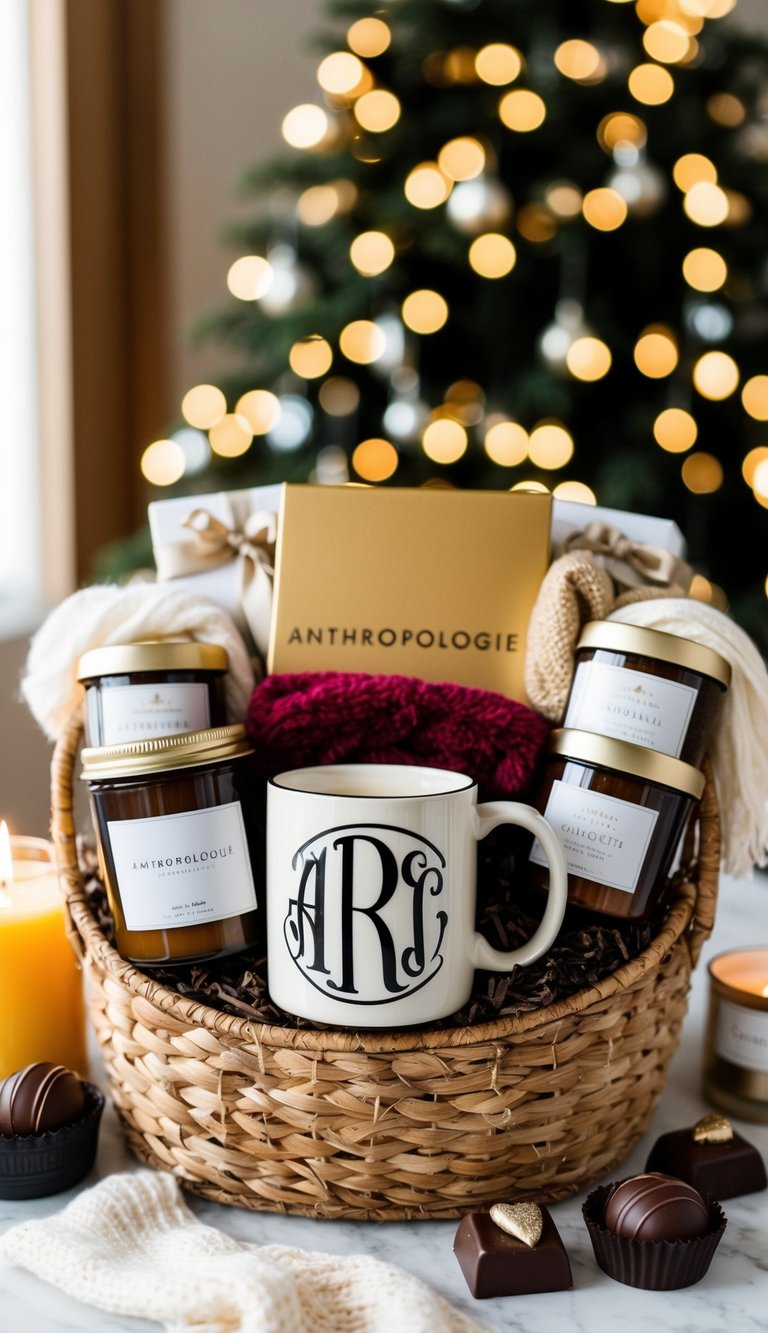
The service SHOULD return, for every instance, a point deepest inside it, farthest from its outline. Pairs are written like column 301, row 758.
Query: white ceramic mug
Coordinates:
column 371, row 883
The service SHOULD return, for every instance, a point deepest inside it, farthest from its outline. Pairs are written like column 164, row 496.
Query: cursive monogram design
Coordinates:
column 366, row 924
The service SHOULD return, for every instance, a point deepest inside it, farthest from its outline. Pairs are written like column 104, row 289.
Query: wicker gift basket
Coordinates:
column 389, row 1126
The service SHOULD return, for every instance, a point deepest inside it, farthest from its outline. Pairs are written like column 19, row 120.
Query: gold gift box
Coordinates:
column 437, row 584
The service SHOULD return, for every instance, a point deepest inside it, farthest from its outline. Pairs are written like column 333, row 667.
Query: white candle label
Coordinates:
column 630, row 705
column 138, row 712
column 602, row 837
column 741, row 1036
column 182, row 870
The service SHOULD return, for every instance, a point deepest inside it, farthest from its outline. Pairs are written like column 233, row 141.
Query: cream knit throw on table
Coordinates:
column 131, row 1246
column 110, row 614
column 740, row 751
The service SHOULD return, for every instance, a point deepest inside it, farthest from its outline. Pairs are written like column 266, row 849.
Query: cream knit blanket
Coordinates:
column 131, row 1246
column 110, row 614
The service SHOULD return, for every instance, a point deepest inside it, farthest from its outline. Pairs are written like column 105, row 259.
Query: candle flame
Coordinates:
column 6, row 864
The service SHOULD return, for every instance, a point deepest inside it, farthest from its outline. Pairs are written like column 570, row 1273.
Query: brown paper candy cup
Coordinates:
column 663, row 1265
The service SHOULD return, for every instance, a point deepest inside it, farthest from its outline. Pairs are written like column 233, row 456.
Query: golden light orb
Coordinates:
column 706, row 204
column 667, row 41
column 317, row 205
column 707, row 9
column 310, row 357
column 651, row 84
column 702, row 473
column 462, row 159
column 340, row 73
column 492, row 255
column 691, row 169
column 705, row 270
column 575, row 490
column 675, row 430
column 375, row 459
column 751, row 463
column 362, row 341
column 372, row 253
column 377, row 111
column 579, row 60
column 760, row 484
column 550, row 445
column 444, row 440
column 564, row 198
column 260, row 408
column 727, row 110
column 424, row 311
column 163, row 463
column 535, row 223
column 203, row 406
column 249, row 277
column 537, row 486
column 604, row 208
column 498, row 64
column 620, row 127
column 369, row 37
column 716, row 375
column 588, row 359
column 426, row 186
column 522, row 110
column 739, row 208
column 305, row 126
column 339, row 396
column 754, row 397
column 506, row 443
column 231, row 437
column 459, row 65
column 656, row 353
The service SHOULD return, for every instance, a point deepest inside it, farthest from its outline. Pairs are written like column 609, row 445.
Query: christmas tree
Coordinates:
column 512, row 243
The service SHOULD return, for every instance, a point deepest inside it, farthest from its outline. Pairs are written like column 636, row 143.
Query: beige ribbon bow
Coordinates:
column 630, row 564
column 213, row 544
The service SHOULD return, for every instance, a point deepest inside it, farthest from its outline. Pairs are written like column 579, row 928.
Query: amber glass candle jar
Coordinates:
column 648, row 688
column 180, row 844
column 161, row 687
column 618, row 811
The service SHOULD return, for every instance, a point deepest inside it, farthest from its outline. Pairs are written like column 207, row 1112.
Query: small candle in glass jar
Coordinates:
column 619, row 812
column 178, row 830
column 161, row 687
column 736, row 1043
column 648, row 688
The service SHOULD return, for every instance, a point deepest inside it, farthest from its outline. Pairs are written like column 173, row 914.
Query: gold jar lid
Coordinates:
column 623, row 757
column 187, row 749
column 617, row 637
column 125, row 659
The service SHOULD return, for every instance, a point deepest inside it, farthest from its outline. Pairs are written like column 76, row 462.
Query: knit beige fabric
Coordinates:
column 131, row 1246
column 574, row 590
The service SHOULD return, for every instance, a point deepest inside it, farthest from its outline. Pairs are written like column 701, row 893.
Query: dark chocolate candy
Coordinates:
column 38, row 1098
column 497, row 1264
column 656, row 1207
column 723, row 1169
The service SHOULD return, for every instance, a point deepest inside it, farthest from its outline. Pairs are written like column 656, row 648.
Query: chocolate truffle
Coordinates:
column 49, row 1126
column 658, row 1248
column 711, row 1157
column 519, row 1254
column 656, row 1207
column 40, row 1097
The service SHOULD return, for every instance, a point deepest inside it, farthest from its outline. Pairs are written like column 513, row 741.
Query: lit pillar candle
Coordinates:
column 41, row 996
column 736, row 1051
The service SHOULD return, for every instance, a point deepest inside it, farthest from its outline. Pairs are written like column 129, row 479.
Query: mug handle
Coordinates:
column 488, row 817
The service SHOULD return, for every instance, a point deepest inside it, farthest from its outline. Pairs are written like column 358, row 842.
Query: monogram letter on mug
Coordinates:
column 371, row 882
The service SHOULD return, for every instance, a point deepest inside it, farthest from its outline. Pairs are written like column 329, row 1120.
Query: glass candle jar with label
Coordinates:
column 736, row 1043
column 618, row 811
column 162, row 687
column 180, row 844
column 648, row 688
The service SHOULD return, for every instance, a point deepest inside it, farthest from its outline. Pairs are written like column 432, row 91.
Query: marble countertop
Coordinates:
column 733, row 1294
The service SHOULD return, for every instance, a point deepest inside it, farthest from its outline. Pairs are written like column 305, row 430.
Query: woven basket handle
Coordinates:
column 63, row 830
column 706, row 859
